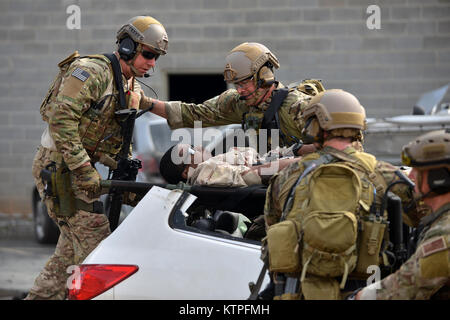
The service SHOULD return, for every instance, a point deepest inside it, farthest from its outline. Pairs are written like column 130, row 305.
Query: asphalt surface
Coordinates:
column 21, row 257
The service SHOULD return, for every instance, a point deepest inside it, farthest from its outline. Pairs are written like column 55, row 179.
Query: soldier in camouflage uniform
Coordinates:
column 82, row 130
column 426, row 274
column 249, row 66
column 334, row 120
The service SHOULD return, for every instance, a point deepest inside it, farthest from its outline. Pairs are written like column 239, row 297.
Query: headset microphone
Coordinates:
column 146, row 75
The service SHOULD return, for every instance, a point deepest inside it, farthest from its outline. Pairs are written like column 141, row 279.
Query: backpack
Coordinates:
column 332, row 228
column 54, row 87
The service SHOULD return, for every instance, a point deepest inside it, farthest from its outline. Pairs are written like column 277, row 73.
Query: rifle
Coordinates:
column 394, row 208
column 399, row 231
column 127, row 169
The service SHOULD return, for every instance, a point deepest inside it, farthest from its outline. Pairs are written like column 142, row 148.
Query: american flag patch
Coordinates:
column 80, row 74
column 433, row 246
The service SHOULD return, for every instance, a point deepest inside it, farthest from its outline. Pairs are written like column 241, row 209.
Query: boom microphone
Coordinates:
column 146, row 75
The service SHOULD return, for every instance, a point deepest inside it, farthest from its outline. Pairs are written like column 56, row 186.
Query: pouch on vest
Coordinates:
column 54, row 87
column 59, row 190
column 66, row 200
column 370, row 238
column 329, row 222
column 283, row 243
column 316, row 288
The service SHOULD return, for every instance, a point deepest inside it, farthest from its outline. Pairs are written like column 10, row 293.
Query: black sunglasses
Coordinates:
column 149, row 55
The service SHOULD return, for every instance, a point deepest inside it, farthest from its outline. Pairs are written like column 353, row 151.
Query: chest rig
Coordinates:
column 268, row 120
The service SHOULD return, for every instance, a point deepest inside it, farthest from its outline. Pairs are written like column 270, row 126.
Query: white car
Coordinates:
column 157, row 253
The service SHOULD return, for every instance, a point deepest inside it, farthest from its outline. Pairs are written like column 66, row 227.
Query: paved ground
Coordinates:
column 21, row 257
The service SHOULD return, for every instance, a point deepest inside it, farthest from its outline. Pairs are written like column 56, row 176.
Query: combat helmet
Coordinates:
column 336, row 111
column 141, row 30
column 430, row 150
column 250, row 59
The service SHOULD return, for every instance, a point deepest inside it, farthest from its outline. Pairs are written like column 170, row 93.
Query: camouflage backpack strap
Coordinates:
column 309, row 166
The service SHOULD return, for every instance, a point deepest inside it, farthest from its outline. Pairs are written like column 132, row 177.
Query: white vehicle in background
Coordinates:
column 160, row 251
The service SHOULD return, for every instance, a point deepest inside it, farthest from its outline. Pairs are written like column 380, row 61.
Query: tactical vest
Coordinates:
column 253, row 119
column 98, row 130
column 332, row 229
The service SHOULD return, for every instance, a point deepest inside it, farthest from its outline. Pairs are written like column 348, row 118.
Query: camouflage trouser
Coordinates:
column 80, row 234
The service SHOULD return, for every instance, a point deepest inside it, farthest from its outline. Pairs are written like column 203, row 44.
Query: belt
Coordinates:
column 94, row 207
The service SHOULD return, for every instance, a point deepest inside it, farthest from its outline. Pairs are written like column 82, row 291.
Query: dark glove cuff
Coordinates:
column 296, row 148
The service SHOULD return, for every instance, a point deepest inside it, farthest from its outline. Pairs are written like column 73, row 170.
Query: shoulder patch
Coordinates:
column 433, row 246
column 80, row 74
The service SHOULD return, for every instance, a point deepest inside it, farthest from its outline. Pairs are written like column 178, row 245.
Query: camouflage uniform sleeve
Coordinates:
column 425, row 272
column 290, row 113
column 223, row 109
column 84, row 82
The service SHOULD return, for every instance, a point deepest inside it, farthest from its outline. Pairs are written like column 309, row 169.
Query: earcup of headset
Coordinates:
column 265, row 77
column 311, row 131
column 439, row 180
column 127, row 49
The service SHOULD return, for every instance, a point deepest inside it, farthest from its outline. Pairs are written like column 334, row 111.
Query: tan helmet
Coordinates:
column 145, row 30
column 430, row 150
column 249, row 59
column 335, row 109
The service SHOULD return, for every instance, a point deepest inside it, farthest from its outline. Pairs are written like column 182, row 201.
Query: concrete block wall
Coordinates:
column 387, row 69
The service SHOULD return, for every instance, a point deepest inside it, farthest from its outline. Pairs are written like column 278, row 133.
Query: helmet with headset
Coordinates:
column 139, row 31
column 431, row 152
column 251, row 60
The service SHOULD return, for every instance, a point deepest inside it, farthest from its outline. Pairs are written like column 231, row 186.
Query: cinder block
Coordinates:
column 408, row 13
column 21, row 35
column 270, row 3
column 317, row 14
column 216, row 4
column 422, row 28
column 436, row 42
column 444, row 26
column 187, row 32
column 48, row 6
column 247, row 31
column 189, row 5
column 332, row 3
column 436, row 12
column 275, row 30
column 444, row 57
column 216, row 32
column 35, row 20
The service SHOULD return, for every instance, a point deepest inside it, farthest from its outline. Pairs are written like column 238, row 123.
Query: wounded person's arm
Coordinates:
column 267, row 170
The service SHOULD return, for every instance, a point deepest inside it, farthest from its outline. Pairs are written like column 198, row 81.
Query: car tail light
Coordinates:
column 94, row 279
